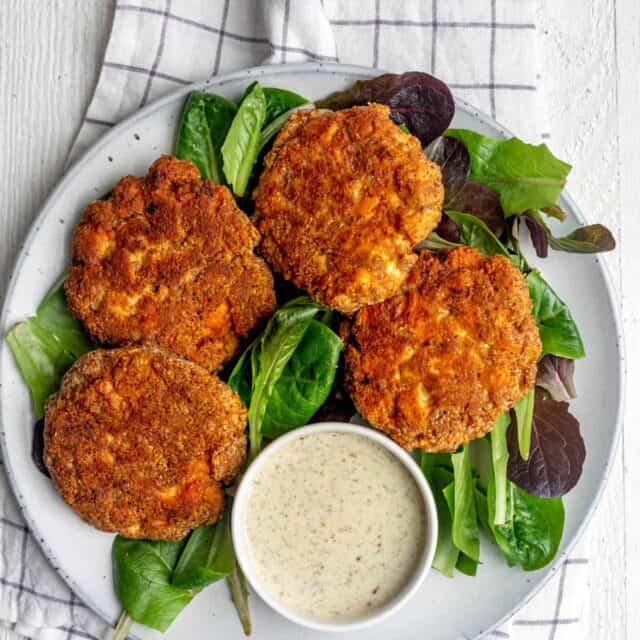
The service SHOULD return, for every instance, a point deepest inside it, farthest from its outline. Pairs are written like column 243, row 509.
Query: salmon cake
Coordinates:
column 344, row 198
column 140, row 441
column 168, row 259
column 435, row 366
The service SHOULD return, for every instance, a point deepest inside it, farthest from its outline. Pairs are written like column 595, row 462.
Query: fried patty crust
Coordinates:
column 169, row 259
column 436, row 365
column 139, row 440
column 343, row 199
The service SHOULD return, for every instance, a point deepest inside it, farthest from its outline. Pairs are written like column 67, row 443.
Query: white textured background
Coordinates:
column 50, row 52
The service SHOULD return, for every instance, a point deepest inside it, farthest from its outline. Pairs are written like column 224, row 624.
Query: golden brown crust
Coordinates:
column 138, row 440
column 435, row 366
column 169, row 259
column 342, row 201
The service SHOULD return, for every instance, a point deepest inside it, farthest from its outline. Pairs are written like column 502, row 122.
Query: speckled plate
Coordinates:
column 444, row 609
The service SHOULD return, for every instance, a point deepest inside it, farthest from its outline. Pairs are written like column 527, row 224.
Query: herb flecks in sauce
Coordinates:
column 336, row 526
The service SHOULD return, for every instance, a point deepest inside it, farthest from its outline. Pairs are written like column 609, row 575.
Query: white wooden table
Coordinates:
column 50, row 53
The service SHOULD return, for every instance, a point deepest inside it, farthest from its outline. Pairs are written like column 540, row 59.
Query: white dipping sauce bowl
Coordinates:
column 241, row 542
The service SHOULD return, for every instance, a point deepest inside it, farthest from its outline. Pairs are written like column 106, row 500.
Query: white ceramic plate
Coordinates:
column 82, row 554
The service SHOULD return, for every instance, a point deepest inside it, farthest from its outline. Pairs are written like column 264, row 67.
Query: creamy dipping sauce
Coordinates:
column 336, row 526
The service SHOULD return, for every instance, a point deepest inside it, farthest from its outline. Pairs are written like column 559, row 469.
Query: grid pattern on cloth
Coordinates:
column 484, row 49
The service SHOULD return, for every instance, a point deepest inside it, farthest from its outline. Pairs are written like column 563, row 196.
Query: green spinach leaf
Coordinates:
column 142, row 579
column 240, row 377
column 46, row 345
column 465, row 518
column 208, row 555
column 305, row 382
column 558, row 331
column 242, row 143
column 525, row 176
column 205, row 123
column 54, row 316
column 475, row 233
column 270, row 356
column 531, row 536
column 280, row 101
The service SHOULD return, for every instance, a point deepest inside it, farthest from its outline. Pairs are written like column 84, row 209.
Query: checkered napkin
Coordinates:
column 484, row 50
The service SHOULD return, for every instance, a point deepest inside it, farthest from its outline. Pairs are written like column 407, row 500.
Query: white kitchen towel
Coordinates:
column 484, row 49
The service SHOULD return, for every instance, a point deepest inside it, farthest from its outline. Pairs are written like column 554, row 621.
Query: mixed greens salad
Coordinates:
column 508, row 486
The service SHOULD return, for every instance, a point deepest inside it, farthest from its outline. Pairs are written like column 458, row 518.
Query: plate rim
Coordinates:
column 255, row 73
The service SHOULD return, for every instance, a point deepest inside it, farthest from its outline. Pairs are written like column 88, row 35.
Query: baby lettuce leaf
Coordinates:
column 482, row 507
column 208, row 555
column 271, row 129
column 447, row 231
column 41, row 359
column 421, row 102
column 555, row 211
column 46, row 345
column 242, row 143
column 465, row 519
column 297, row 359
column 475, row 233
column 525, row 176
column 280, row 101
column 531, row 536
column 438, row 472
column 558, row 331
column 240, row 598
column 499, row 459
column 436, row 242
column 240, row 376
column 269, row 357
column 557, row 450
column 464, row 563
column 592, row 238
column 538, row 232
column 481, row 202
column 280, row 105
column 142, row 579
column 524, row 417
column 555, row 375
column 205, row 123
column 453, row 158
column 305, row 382
column 54, row 316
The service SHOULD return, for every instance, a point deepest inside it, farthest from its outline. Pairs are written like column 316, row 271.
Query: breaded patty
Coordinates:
column 169, row 259
column 343, row 199
column 435, row 366
column 139, row 440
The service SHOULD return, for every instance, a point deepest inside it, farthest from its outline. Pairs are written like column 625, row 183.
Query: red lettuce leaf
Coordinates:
column 454, row 161
column 418, row 100
column 539, row 234
column 557, row 450
column 447, row 229
column 555, row 375
column 482, row 202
